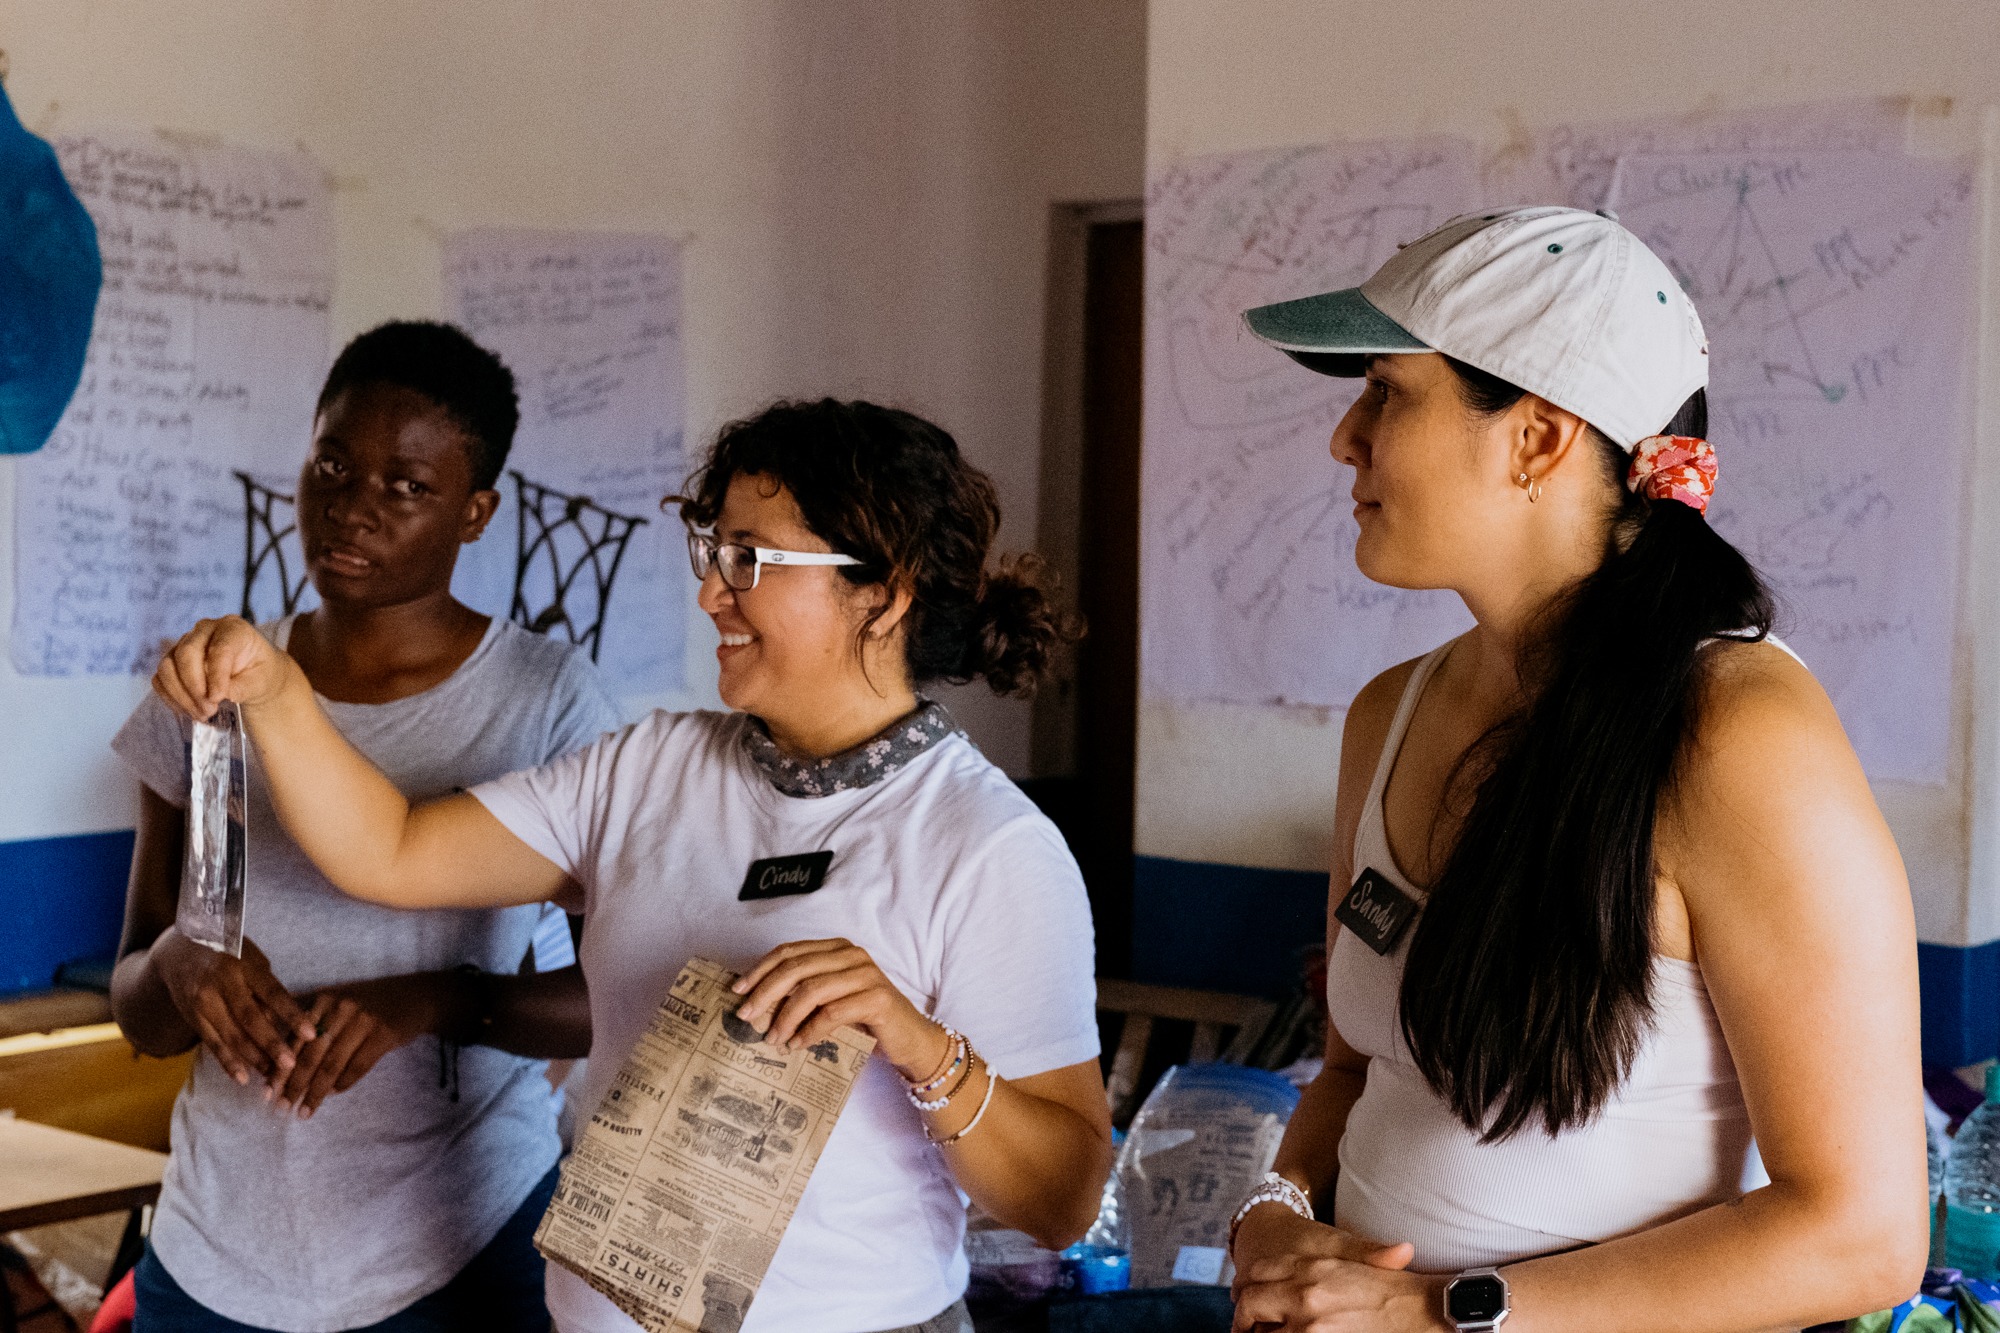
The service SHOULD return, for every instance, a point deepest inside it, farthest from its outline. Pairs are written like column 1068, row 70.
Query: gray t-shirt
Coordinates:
column 392, row 1187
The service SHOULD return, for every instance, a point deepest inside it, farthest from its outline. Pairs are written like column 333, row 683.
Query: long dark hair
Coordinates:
column 1527, row 989
column 892, row 490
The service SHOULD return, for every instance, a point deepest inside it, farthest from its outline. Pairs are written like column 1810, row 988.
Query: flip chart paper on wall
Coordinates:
column 207, row 352
column 1851, row 505
column 1836, row 291
column 1250, row 589
column 590, row 324
column 1576, row 164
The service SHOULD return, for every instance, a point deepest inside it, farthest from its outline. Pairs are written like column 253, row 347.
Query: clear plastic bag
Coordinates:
column 212, row 868
column 1206, row 1134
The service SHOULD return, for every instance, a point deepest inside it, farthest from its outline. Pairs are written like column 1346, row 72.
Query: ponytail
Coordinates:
column 1017, row 626
column 1527, row 989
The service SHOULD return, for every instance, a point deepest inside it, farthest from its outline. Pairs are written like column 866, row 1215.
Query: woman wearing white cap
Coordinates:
column 1611, row 896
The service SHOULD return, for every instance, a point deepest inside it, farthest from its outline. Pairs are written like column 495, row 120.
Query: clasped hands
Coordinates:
column 1307, row 1277
column 303, row 1048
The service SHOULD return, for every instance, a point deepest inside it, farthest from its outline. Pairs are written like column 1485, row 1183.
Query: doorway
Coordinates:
column 1085, row 727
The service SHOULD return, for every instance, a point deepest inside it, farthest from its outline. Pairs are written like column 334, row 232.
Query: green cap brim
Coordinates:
column 1334, row 333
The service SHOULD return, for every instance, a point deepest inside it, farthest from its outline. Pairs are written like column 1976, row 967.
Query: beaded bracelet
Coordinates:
column 992, row 1082
column 945, row 1100
column 954, row 1057
column 954, row 1049
column 1273, row 1188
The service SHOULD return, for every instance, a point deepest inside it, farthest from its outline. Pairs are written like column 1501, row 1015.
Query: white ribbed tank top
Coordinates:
column 1673, row 1140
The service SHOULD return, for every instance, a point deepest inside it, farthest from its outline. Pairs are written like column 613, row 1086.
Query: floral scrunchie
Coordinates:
column 1674, row 467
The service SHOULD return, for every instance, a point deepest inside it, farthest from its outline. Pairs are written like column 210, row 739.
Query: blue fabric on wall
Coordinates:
column 61, row 899
column 50, row 273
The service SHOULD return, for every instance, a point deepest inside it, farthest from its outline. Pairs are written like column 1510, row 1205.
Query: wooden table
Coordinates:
column 52, row 1175
column 56, row 1175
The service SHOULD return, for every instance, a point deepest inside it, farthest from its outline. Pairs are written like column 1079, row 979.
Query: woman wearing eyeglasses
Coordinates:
column 835, row 837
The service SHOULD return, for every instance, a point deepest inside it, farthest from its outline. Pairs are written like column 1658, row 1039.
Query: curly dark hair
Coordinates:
column 892, row 490
column 444, row 364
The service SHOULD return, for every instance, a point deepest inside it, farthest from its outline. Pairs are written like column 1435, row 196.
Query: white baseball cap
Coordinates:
column 1563, row 303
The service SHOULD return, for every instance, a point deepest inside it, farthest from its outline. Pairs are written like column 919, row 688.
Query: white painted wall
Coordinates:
column 1254, row 786
column 864, row 189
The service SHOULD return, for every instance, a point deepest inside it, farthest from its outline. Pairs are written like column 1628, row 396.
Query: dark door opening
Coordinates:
column 1087, row 724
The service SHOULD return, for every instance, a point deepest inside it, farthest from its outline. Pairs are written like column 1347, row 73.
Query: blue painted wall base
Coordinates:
column 61, row 900
column 1960, row 985
column 1234, row 928
column 1215, row 927
column 1227, row 928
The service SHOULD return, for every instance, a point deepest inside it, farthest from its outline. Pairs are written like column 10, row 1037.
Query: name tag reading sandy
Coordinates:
column 782, row 876
column 1376, row 911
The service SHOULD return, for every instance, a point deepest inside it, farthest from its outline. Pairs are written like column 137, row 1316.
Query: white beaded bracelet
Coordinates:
column 1273, row 1188
column 992, row 1082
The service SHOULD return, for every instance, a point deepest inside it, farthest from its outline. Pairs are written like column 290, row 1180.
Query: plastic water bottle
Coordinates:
column 1938, row 1149
column 1972, row 1190
column 1102, row 1260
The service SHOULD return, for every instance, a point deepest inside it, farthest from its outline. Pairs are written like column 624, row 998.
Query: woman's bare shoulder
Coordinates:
column 1758, row 698
column 1770, row 772
column 1362, row 738
column 1373, row 709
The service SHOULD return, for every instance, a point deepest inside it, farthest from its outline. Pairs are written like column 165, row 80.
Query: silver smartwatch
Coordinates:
column 1476, row 1301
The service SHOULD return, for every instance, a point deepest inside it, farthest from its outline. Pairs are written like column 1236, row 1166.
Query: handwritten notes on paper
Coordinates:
column 1834, row 288
column 590, row 324
column 207, row 351
column 1834, row 278
column 1251, row 594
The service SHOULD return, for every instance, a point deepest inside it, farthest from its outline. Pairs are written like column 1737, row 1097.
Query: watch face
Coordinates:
column 1471, row 1300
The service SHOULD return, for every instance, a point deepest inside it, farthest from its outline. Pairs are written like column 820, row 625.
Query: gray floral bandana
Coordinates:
column 863, row 766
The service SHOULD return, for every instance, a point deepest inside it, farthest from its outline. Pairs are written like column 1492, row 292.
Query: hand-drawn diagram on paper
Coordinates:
column 590, row 324
column 206, row 354
column 1836, row 290
column 1250, row 589
column 1832, row 277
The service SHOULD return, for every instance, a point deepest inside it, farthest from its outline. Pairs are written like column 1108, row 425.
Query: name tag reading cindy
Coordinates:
column 783, row 876
column 1376, row 911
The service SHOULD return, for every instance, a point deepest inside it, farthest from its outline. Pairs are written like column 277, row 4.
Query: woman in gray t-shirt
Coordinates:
column 367, row 1140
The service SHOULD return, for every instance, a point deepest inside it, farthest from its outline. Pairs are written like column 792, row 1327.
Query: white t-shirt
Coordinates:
column 958, row 887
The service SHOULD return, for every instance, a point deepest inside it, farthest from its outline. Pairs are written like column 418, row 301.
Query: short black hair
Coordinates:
column 441, row 362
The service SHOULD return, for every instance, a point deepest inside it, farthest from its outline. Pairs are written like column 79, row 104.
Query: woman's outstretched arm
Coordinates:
column 349, row 819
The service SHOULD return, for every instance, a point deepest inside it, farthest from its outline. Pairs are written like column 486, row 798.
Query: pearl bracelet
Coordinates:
column 1273, row 1188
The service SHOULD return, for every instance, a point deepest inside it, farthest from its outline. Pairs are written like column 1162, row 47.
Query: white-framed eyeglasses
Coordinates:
column 741, row 565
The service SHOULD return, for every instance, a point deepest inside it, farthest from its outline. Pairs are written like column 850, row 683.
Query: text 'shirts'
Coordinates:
column 1376, row 911
column 680, row 1188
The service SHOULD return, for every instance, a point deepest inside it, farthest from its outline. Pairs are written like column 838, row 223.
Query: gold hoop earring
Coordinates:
column 1534, row 491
